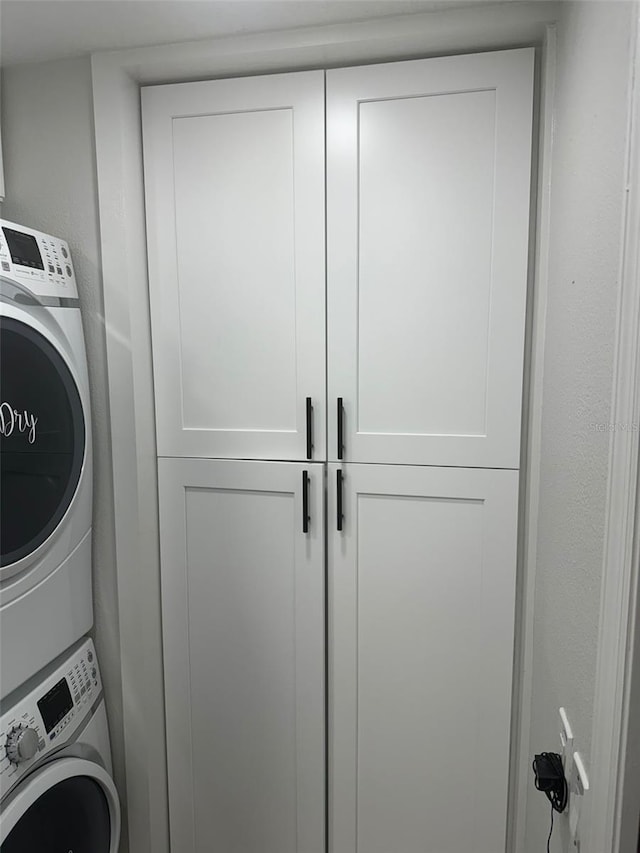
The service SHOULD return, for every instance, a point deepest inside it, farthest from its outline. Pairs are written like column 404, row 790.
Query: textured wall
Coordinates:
column 49, row 163
column 587, row 198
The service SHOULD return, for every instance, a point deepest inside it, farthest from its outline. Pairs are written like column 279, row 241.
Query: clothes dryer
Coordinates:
column 45, row 456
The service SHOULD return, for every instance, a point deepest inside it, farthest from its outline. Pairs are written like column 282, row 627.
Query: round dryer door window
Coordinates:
column 42, row 439
column 71, row 816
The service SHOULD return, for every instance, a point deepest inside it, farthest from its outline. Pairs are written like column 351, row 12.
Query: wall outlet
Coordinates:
column 566, row 743
column 578, row 786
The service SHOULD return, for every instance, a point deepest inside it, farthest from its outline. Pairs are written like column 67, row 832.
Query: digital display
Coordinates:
column 55, row 705
column 24, row 249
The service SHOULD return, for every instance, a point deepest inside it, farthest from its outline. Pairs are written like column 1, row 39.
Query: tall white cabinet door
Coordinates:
column 421, row 625
column 234, row 183
column 428, row 174
column 243, row 630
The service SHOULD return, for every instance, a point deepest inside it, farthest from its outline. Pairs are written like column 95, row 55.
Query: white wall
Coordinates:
column 49, row 163
column 587, row 198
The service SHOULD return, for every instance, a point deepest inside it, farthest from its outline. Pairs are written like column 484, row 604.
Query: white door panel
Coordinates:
column 243, row 630
column 428, row 173
column 421, row 624
column 234, row 179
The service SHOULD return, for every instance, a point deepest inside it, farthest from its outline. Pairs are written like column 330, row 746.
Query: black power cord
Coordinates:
column 550, row 831
column 550, row 778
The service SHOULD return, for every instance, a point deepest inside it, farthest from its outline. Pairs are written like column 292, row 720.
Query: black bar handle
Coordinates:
column 339, row 485
column 340, row 429
column 305, row 502
column 309, row 428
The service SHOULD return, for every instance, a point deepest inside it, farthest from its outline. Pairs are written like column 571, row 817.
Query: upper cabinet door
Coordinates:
column 234, row 183
column 428, row 184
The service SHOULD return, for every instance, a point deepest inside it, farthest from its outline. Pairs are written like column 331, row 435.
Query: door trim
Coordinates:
column 611, row 818
column 531, row 446
column 117, row 77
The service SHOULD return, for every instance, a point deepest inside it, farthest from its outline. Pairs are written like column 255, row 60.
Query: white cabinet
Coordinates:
column 234, row 183
column 428, row 173
column 243, row 625
column 427, row 180
column 410, row 366
column 421, row 594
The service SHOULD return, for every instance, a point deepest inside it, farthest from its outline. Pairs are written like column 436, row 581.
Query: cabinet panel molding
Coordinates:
column 243, row 633
column 421, row 625
column 428, row 178
column 234, row 183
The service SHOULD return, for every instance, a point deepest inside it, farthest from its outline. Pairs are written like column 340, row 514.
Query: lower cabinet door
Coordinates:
column 421, row 596
column 243, row 630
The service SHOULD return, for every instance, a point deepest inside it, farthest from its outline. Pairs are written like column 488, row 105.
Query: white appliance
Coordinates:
column 45, row 456
column 56, row 790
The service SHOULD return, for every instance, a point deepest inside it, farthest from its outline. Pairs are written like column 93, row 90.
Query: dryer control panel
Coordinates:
column 37, row 261
column 49, row 715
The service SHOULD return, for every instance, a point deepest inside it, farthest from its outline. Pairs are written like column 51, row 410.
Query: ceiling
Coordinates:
column 40, row 30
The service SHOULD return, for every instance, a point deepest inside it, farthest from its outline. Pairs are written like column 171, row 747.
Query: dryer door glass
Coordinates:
column 42, row 439
column 71, row 816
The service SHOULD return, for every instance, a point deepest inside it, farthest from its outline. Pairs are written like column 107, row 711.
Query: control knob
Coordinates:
column 22, row 744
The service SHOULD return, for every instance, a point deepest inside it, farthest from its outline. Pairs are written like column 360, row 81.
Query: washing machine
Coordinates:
column 56, row 788
column 45, row 456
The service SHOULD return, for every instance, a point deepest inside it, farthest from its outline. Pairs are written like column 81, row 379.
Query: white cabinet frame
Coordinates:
column 117, row 78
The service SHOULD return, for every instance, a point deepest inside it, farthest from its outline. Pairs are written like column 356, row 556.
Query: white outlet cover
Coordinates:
column 574, row 817
column 582, row 780
column 566, row 741
column 578, row 786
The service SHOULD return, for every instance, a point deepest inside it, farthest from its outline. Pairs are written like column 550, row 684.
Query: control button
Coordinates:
column 22, row 744
column 68, row 269
column 64, row 252
column 52, row 268
column 59, row 270
column 94, row 672
column 90, row 656
column 83, row 690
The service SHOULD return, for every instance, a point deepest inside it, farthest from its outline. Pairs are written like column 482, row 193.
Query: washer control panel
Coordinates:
column 38, row 261
column 49, row 715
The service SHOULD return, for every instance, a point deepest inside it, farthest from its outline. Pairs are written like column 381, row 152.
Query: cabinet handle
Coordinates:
column 309, row 428
column 305, row 502
column 339, row 489
column 340, row 429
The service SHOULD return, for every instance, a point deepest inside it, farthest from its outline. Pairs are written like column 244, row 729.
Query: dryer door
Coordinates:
column 69, row 805
column 42, row 439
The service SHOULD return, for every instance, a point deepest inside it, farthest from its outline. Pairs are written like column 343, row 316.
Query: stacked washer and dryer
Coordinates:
column 56, row 790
